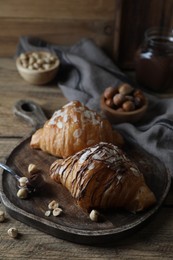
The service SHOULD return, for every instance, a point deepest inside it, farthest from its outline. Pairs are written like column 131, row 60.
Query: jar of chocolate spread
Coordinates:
column 154, row 60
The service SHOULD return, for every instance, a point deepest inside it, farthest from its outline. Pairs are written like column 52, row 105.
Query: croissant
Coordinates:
column 72, row 129
column 101, row 177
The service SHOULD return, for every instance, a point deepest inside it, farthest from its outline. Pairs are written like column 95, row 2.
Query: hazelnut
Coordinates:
column 109, row 102
column 52, row 59
column 34, row 61
column 94, row 215
column 128, row 106
column 23, row 181
column 53, row 204
column 12, row 232
column 2, row 216
column 35, row 176
column 110, row 92
column 31, row 60
column 47, row 213
column 118, row 99
column 46, row 66
column 125, row 89
column 137, row 92
column 139, row 96
column 23, row 56
column 56, row 212
column 35, row 55
column 40, row 61
column 119, row 109
column 47, row 60
column 30, row 67
column 32, row 168
column 35, row 65
column 131, row 98
column 138, row 102
column 22, row 193
column 25, row 64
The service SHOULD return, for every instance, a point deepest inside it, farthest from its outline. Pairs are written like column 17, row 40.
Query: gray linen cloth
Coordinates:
column 84, row 74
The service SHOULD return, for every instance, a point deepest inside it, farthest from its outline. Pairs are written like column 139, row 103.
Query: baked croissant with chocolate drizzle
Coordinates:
column 101, row 177
column 73, row 128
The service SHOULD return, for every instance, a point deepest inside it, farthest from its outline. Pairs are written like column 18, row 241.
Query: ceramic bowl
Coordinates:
column 117, row 117
column 38, row 75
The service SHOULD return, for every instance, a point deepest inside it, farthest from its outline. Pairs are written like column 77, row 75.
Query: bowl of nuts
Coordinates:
column 123, row 103
column 39, row 67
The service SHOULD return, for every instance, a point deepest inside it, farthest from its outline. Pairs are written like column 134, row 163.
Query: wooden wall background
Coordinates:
column 59, row 21
column 115, row 25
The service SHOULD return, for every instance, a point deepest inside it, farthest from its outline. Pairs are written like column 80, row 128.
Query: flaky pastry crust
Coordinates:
column 73, row 128
column 101, row 177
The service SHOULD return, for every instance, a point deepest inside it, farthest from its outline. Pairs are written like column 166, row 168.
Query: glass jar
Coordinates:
column 154, row 60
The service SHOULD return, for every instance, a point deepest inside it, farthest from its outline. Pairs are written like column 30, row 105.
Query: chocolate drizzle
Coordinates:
column 77, row 172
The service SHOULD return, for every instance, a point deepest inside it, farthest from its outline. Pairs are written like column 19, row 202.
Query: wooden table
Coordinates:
column 153, row 241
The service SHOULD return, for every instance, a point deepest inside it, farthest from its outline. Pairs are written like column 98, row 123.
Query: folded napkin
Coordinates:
column 84, row 74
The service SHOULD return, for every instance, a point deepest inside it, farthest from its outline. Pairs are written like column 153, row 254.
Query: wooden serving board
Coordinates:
column 75, row 225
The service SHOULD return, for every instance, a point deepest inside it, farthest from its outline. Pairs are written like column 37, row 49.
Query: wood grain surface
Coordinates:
column 154, row 240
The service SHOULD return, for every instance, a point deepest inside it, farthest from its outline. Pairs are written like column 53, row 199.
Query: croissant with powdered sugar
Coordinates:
column 101, row 177
column 73, row 128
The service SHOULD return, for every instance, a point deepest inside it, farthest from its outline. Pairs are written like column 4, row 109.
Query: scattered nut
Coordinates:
column 13, row 232
column 56, row 212
column 32, row 168
column 53, row 204
column 23, row 181
column 53, row 207
column 2, row 216
column 94, row 215
column 47, row 213
column 22, row 193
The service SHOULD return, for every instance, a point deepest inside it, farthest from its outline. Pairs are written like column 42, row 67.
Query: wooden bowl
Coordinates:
column 39, row 76
column 117, row 117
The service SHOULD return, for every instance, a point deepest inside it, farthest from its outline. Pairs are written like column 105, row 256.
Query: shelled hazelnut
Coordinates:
column 2, row 216
column 37, row 61
column 12, row 232
column 94, row 215
column 53, row 209
column 124, row 98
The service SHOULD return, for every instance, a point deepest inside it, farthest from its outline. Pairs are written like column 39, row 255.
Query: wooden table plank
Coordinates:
column 153, row 241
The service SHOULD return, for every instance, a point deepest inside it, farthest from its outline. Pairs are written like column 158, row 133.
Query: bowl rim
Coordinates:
column 123, row 113
column 20, row 67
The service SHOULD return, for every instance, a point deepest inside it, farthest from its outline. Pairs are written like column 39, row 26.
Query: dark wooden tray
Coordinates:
column 74, row 225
